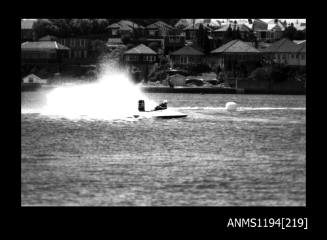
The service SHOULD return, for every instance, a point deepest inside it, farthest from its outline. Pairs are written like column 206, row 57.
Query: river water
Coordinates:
column 255, row 156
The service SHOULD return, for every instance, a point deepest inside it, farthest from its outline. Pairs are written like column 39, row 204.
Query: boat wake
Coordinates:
column 241, row 108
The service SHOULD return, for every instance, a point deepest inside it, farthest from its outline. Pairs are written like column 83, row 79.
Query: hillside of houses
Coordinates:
column 258, row 53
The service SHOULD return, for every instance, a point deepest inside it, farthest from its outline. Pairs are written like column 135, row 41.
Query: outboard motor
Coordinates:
column 141, row 106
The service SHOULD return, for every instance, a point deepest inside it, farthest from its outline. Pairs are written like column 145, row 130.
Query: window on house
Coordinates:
column 148, row 58
column 303, row 56
column 131, row 58
column 183, row 60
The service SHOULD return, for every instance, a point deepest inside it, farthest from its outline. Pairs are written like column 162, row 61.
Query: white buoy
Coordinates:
column 231, row 106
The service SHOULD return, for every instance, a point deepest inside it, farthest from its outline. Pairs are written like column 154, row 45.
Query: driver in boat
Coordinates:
column 161, row 106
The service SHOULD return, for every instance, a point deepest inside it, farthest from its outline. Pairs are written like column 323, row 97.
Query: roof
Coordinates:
column 236, row 46
column 302, row 47
column 114, row 25
column 48, row 38
column 300, row 26
column 159, row 24
column 27, row 23
column 259, row 25
column 188, row 50
column 242, row 27
column 43, row 45
column 125, row 25
column 275, row 26
column 130, row 24
column 196, row 26
column 299, row 41
column 283, row 45
column 183, row 22
column 141, row 49
column 33, row 76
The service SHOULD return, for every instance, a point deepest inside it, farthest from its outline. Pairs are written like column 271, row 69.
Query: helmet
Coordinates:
column 165, row 101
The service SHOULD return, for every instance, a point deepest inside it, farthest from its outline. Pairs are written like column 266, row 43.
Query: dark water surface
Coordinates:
column 255, row 156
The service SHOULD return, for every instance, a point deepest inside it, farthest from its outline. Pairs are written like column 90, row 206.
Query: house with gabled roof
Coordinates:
column 141, row 57
column 187, row 55
column 236, row 56
column 268, row 31
column 286, row 52
column 32, row 78
column 43, row 54
column 158, row 28
column 43, row 51
column 123, row 27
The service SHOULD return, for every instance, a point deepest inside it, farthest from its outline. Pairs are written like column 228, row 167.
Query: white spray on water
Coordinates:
column 112, row 96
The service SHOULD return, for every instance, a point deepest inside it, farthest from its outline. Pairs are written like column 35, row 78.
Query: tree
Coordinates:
column 64, row 27
column 99, row 47
column 154, row 46
column 237, row 33
column 43, row 27
column 228, row 35
column 99, row 26
column 299, row 35
column 290, row 32
column 261, row 74
column 126, row 39
column 200, row 36
column 252, row 38
column 81, row 26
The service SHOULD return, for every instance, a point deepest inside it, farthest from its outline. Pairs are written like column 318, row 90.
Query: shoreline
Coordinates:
column 195, row 90
column 217, row 90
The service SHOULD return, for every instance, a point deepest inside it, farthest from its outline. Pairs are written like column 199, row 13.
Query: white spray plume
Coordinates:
column 112, row 96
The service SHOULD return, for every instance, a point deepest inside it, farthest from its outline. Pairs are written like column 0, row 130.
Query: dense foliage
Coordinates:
column 80, row 27
column 293, row 34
